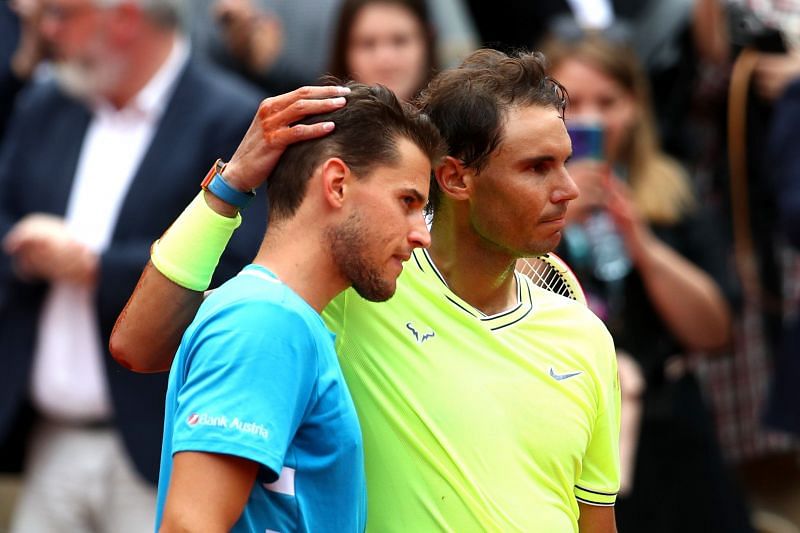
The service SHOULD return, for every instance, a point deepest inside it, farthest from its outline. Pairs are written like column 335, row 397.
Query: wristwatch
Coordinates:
column 216, row 184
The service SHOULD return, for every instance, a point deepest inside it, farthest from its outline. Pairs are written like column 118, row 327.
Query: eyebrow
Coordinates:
column 530, row 161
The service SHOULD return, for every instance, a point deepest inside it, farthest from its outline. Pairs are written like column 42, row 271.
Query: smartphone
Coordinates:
column 587, row 140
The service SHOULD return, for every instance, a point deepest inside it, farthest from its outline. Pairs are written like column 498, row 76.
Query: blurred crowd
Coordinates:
column 685, row 121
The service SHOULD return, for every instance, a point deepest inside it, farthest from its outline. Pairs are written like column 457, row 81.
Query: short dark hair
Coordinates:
column 367, row 132
column 469, row 104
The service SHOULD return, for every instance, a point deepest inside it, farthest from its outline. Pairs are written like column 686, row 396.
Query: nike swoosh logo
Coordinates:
column 562, row 377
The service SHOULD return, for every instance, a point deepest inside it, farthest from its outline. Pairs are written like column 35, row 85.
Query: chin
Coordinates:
column 556, row 240
column 552, row 243
column 376, row 291
column 74, row 80
column 543, row 247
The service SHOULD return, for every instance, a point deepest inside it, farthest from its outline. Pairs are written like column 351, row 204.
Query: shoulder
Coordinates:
column 221, row 90
column 590, row 327
column 261, row 311
column 245, row 332
column 43, row 98
column 41, row 116
column 548, row 301
column 573, row 325
column 207, row 114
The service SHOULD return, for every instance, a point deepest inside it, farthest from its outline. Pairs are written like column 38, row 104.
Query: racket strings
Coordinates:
column 547, row 276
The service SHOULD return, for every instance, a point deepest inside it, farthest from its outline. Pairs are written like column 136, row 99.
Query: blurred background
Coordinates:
column 685, row 120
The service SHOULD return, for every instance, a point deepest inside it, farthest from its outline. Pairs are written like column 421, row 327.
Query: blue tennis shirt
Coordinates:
column 256, row 376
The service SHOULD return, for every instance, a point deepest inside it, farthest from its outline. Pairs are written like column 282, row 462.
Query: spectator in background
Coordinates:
column 275, row 44
column 783, row 411
column 671, row 38
column 129, row 121
column 281, row 45
column 777, row 80
column 456, row 35
column 21, row 51
column 390, row 42
column 767, row 36
column 666, row 303
column 9, row 84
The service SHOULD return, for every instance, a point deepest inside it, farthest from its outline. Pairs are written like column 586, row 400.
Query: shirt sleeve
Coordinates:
column 599, row 480
column 250, row 375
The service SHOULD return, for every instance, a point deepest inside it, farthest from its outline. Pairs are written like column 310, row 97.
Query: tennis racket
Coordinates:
column 550, row 272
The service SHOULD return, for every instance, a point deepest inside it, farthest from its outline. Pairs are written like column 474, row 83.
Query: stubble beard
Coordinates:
column 349, row 244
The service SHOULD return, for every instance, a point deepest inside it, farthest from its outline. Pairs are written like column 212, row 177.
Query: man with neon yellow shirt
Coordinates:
column 485, row 402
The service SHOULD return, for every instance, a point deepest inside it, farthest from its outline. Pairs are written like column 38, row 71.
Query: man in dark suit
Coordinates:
column 93, row 168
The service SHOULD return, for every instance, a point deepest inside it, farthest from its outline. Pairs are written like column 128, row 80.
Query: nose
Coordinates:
column 567, row 189
column 419, row 236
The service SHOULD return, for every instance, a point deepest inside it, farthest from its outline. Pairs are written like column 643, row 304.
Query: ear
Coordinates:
column 453, row 178
column 335, row 181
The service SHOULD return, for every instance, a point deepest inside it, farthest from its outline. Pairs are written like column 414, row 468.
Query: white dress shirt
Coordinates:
column 69, row 381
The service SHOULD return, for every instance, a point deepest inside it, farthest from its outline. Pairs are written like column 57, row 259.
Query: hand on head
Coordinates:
column 275, row 127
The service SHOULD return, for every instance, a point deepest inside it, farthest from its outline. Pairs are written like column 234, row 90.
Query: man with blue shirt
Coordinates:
column 260, row 429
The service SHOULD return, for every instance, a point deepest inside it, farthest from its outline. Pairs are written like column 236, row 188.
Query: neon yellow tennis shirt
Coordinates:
column 474, row 422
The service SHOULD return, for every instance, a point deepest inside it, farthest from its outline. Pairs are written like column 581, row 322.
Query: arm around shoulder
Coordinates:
column 169, row 292
column 149, row 329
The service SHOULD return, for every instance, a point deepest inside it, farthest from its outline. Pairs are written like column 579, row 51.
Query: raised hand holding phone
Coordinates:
column 587, row 167
column 594, row 238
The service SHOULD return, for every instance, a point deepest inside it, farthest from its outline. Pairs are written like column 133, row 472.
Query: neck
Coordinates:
column 478, row 272
column 301, row 261
column 145, row 57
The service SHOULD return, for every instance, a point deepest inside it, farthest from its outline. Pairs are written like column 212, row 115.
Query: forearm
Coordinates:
column 149, row 329
column 687, row 299
column 710, row 32
column 596, row 519
column 170, row 290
